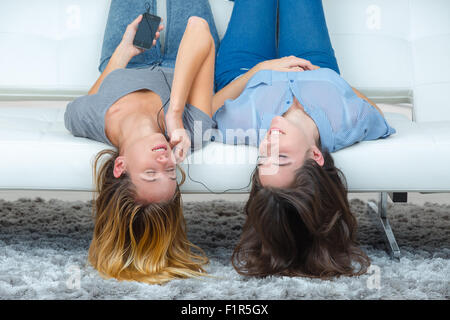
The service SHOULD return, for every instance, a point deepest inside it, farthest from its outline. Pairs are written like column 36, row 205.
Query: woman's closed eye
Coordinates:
column 172, row 174
column 282, row 160
column 153, row 175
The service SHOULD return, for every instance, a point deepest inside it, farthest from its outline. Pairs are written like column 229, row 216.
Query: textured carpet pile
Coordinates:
column 44, row 245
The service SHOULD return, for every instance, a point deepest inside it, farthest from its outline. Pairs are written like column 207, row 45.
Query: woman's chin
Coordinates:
column 151, row 141
column 158, row 137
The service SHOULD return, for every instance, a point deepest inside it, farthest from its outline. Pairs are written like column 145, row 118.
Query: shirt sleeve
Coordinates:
column 371, row 124
column 72, row 120
column 83, row 118
column 374, row 123
column 362, row 122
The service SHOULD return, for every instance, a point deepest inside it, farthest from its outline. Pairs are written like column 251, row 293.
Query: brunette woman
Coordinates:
column 288, row 86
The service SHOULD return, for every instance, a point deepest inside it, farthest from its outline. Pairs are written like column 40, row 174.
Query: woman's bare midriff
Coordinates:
column 144, row 101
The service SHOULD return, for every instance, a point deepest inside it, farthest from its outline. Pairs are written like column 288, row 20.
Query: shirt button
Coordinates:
column 213, row 138
column 288, row 102
column 291, row 81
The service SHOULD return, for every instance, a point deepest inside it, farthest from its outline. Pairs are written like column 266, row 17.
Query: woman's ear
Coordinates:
column 119, row 166
column 316, row 154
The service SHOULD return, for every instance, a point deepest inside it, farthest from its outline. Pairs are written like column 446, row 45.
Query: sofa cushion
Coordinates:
column 392, row 51
column 37, row 152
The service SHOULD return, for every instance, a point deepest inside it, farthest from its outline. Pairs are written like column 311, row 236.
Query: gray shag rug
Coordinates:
column 44, row 245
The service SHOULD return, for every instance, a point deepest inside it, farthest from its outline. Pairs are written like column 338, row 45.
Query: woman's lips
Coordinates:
column 276, row 130
column 160, row 148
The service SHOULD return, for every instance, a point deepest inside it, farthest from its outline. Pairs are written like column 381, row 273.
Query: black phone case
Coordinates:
column 146, row 31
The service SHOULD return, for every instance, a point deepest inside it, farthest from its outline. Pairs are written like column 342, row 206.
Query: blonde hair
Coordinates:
column 136, row 241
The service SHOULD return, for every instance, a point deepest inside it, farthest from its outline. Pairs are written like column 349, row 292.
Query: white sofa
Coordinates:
column 393, row 51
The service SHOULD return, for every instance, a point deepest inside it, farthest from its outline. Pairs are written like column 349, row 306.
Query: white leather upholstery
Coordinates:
column 392, row 51
column 39, row 153
column 395, row 50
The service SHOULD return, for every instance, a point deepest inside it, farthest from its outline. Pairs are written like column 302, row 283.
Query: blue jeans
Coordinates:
column 251, row 36
column 123, row 12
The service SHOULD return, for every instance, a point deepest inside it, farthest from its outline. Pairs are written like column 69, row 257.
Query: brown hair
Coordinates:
column 304, row 230
column 136, row 241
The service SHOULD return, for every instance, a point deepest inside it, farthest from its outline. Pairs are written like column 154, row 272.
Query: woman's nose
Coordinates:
column 263, row 146
column 162, row 158
column 273, row 140
column 268, row 147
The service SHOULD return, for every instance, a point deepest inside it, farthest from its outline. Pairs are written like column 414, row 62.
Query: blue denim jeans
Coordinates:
column 123, row 12
column 251, row 36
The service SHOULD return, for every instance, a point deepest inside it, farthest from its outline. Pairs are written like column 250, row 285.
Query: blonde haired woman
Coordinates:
column 140, row 231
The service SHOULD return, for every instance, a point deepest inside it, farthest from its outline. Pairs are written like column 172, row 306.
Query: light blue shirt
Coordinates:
column 342, row 118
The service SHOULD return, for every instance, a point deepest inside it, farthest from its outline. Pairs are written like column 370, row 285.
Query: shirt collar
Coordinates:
column 323, row 125
column 262, row 76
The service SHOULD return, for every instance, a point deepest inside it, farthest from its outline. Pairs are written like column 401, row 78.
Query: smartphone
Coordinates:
column 146, row 32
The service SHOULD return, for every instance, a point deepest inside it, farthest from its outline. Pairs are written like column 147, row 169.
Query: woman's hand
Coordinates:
column 179, row 138
column 125, row 51
column 288, row 64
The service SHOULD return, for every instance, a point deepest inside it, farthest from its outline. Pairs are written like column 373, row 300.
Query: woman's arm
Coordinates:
column 362, row 96
column 196, row 48
column 193, row 81
column 124, row 52
column 118, row 60
column 235, row 88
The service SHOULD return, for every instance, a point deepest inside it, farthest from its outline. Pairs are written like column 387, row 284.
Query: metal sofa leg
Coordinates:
column 381, row 210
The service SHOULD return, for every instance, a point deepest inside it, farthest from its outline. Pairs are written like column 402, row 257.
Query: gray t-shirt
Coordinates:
column 85, row 116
